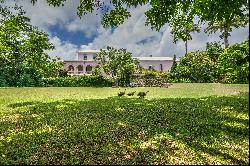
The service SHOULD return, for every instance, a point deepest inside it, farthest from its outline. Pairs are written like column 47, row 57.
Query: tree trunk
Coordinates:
column 186, row 47
column 226, row 34
column 115, row 79
column 226, row 41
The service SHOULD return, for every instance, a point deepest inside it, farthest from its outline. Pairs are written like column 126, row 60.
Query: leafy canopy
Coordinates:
column 233, row 63
column 22, row 56
column 214, row 49
column 195, row 67
column 216, row 64
column 118, row 63
column 220, row 14
column 160, row 11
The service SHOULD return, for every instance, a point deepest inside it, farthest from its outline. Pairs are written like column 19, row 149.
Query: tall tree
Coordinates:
column 173, row 67
column 118, row 63
column 226, row 25
column 233, row 63
column 182, row 26
column 23, row 61
column 195, row 67
column 214, row 49
column 223, row 15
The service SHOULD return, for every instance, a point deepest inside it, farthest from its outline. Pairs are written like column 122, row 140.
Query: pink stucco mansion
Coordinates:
column 85, row 63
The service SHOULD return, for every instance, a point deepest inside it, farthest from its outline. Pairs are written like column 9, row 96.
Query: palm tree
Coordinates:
column 182, row 26
column 226, row 25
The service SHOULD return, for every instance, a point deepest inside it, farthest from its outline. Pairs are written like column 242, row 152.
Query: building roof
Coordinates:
column 155, row 58
column 78, row 61
column 89, row 51
column 139, row 58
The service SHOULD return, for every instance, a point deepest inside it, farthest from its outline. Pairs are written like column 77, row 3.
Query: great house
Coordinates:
column 85, row 63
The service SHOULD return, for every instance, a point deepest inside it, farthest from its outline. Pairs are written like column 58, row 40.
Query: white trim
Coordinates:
column 88, row 51
column 155, row 58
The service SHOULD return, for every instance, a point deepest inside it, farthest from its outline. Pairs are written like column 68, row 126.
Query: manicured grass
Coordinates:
column 183, row 124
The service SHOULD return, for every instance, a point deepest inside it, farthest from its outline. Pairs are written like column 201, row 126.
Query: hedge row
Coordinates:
column 148, row 80
column 157, row 82
column 83, row 81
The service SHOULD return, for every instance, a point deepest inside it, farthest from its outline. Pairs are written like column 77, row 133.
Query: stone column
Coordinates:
column 75, row 71
column 84, row 69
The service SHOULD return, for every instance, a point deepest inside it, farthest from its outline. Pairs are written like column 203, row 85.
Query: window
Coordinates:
column 71, row 68
column 85, row 57
column 88, row 69
column 161, row 68
column 94, row 56
column 80, row 69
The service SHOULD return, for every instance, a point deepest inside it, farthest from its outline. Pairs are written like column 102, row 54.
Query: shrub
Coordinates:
column 3, row 82
column 83, row 81
column 194, row 67
column 20, row 76
column 151, row 79
column 233, row 64
column 120, row 65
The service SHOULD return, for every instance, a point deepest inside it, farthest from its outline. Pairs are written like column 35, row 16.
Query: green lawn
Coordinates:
column 183, row 124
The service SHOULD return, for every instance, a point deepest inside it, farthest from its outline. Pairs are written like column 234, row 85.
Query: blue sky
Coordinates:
column 69, row 33
column 77, row 38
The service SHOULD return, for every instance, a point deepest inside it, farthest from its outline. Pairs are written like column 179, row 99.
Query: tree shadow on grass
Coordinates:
column 120, row 130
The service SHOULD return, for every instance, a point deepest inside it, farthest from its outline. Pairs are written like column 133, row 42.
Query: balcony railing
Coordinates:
column 79, row 73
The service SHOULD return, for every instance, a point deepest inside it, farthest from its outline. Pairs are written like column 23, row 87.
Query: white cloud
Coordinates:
column 88, row 25
column 44, row 16
column 132, row 35
column 64, row 50
column 129, row 35
column 86, row 47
